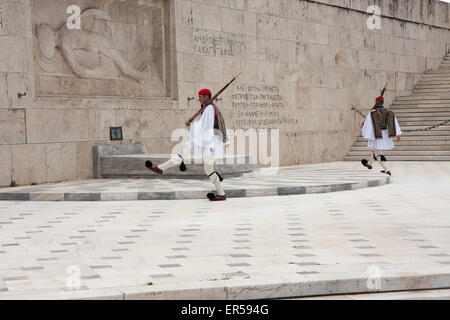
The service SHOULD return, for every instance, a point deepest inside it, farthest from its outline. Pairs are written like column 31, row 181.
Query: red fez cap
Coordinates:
column 204, row 92
column 379, row 98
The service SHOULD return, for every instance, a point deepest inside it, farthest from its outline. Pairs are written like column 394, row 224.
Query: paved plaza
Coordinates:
column 389, row 238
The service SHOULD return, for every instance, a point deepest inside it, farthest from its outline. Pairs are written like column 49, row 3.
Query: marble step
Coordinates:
column 445, row 127
column 419, row 123
column 430, row 91
column 133, row 166
column 412, row 143
column 434, row 132
column 422, row 117
column 427, row 122
column 442, row 87
column 433, row 82
column 439, row 79
column 419, row 105
column 433, row 86
column 400, row 147
column 397, row 152
column 430, row 97
column 423, row 99
column 436, row 96
column 431, row 79
column 436, row 73
column 401, row 158
column 432, row 120
column 422, row 111
column 417, row 138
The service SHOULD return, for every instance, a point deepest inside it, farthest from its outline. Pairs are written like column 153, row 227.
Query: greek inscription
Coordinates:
column 259, row 106
column 217, row 44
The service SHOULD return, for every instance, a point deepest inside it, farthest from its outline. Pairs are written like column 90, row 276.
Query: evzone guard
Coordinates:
column 379, row 128
column 208, row 138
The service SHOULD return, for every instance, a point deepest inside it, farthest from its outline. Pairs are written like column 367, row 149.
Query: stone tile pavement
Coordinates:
column 389, row 238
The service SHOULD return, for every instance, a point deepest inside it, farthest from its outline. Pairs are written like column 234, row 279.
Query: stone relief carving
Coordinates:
column 119, row 49
column 69, row 40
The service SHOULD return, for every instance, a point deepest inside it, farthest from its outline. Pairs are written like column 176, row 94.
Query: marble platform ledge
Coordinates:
column 305, row 179
column 258, row 287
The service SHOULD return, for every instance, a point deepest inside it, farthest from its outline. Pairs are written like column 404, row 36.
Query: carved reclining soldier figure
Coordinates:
column 69, row 40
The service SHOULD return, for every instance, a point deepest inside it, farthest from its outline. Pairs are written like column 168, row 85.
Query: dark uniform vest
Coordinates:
column 383, row 119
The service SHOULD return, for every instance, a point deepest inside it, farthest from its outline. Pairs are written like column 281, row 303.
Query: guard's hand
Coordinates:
column 188, row 124
column 399, row 138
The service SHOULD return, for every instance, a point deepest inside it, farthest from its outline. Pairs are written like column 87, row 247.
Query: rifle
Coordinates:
column 382, row 91
column 212, row 100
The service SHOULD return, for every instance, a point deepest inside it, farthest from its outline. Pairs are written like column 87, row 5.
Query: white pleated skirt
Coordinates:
column 217, row 151
column 385, row 143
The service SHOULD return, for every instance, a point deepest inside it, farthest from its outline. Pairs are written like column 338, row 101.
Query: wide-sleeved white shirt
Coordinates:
column 385, row 143
column 204, row 141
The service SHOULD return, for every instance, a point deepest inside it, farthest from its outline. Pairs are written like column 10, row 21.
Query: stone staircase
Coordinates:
column 429, row 104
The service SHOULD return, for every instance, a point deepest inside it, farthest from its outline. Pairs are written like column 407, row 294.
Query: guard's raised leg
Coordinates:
column 368, row 163
column 175, row 160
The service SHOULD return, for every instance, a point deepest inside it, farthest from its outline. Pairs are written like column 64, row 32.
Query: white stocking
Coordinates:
column 208, row 164
column 174, row 161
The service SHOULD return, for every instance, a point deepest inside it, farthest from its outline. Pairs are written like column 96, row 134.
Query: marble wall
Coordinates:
column 304, row 63
column 134, row 63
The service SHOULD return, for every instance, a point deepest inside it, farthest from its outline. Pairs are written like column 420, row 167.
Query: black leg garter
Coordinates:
column 220, row 177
